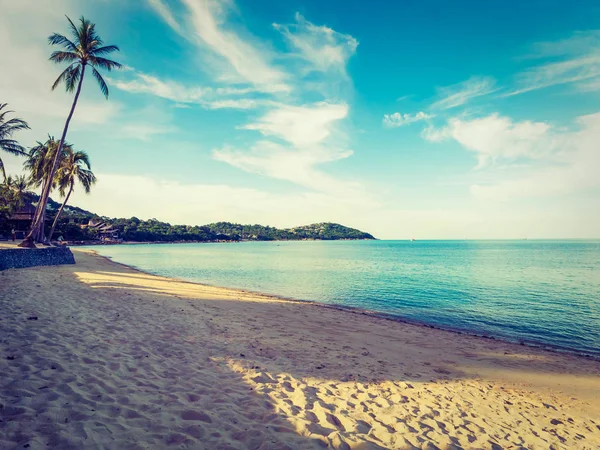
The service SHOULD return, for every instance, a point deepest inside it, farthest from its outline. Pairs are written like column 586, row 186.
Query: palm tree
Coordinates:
column 18, row 185
column 39, row 164
column 83, row 50
column 39, row 160
column 12, row 195
column 7, row 128
column 75, row 166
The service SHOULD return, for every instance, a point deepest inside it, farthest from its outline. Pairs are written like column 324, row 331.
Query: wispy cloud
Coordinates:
column 322, row 47
column 148, row 84
column 163, row 11
column 297, row 137
column 246, row 57
column 397, row 119
column 575, row 60
column 307, row 137
column 144, row 131
column 207, row 97
column 300, row 125
column 287, row 163
column 460, row 93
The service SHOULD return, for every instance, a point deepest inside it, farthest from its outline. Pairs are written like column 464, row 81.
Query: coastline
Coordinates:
column 366, row 312
column 148, row 361
column 100, row 243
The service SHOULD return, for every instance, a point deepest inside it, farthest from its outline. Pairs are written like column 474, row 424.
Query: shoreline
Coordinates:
column 99, row 354
column 377, row 314
column 241, row 241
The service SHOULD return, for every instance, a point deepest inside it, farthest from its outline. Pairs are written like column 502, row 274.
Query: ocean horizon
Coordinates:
column 536, row 292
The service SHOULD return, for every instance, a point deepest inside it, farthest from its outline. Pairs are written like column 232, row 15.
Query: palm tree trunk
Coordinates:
column 40, row 233
column 37, row 237
column 60, row 212
column 28, row 241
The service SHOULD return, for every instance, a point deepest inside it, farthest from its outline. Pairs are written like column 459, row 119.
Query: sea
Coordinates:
column 535, row 292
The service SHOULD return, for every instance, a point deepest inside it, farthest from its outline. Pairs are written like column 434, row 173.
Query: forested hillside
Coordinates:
column 73, row 225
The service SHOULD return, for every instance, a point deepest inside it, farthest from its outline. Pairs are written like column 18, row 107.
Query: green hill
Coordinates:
column 75, row 225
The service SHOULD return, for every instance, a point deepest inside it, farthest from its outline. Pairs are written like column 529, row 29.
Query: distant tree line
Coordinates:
column 153, row 230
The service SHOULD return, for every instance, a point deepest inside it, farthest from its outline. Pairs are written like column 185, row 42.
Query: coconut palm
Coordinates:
column 38, row 165
column 39, row 159
column 84, row 50
column 7, row 128
column 74, row 167
column 17, row 184
column 12, row 195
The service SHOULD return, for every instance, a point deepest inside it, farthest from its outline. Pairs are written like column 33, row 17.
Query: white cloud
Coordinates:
column 578, row 62
column 301, row 136
column 575, row 159
column 287, row 163
column 495, row 138
column 557, row 161
column 460, row 93
column 589, row 85
column 300, row 125
column 147, row 84
column 311, row 139
column 325, row 49
column 207, row 97
column 250, row 60
column 397, row 119
column 166, row 14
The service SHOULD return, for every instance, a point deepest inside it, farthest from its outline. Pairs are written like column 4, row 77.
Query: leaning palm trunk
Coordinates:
column 43, row 201
column 38, row 234
column 60, row 212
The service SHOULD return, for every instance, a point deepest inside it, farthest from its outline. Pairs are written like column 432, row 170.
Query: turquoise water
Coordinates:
column 540, row 292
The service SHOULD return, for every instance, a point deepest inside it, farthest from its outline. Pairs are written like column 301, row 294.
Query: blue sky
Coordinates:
column 425, row 119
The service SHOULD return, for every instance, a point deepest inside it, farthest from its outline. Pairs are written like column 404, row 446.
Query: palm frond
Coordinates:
column 13, row 147
column 59, row 57
column 8, row 127
column 15, row 124
column 87, row 179
column 2, row 171
column 106, row 50
column 63, row 76
column 70, row 77
column 74, row 31
column 81, row 157
column 73, row 78
column 101, row 82
column 104, row 63
column 59, row 39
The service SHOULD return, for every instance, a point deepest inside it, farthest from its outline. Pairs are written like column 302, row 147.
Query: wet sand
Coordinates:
column 99, row 355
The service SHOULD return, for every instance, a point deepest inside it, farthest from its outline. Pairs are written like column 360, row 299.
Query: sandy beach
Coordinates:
column 99, row 355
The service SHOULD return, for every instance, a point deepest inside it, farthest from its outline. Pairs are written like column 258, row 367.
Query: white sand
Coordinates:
column 121, row 359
